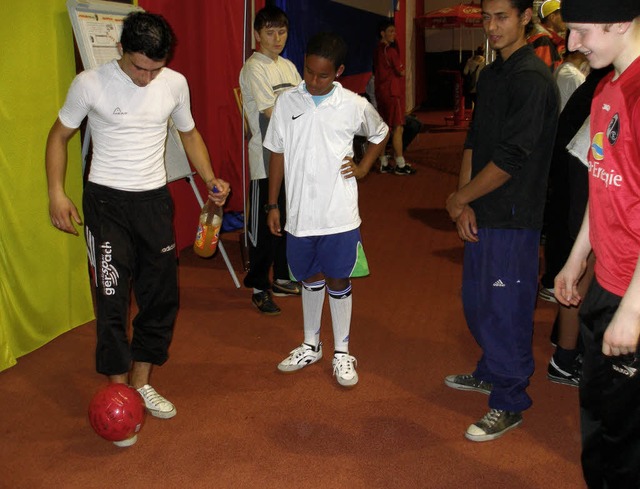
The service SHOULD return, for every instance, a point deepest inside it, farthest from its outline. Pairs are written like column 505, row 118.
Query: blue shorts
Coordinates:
column 334, row 255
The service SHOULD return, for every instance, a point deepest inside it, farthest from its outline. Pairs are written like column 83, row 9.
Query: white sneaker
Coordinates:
column 126, row 443
column 344, row 368
column 157, row 405
column 300, row 357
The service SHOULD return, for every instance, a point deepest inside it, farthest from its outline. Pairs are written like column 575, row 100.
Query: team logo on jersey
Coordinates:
column 597, row 146
column 613, row 129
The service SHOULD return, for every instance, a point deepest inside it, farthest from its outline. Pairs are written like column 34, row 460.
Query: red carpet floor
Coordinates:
column 240, row 424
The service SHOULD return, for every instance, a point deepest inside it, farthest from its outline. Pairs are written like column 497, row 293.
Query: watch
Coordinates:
column 269, row 207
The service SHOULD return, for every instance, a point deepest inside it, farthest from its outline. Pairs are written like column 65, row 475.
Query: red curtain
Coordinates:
column 209, row 54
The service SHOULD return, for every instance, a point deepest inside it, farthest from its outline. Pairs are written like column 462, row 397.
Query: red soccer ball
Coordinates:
column 116, row 412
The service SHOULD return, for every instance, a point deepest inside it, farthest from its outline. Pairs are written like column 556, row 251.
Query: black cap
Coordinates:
column 600, row 11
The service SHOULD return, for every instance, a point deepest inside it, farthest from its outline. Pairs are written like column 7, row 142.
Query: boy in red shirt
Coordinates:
column 609, row 33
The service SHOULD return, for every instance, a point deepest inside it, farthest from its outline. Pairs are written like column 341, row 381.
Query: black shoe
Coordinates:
column 264, row 303
column 567, row 377
column 386, row 169
column 407, row 169
column 285, row 289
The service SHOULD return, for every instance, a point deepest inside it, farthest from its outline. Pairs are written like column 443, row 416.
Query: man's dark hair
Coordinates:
column 148, row 34
column 270, row 16
column 330, row 46
column 384, row 24
column 519, row 5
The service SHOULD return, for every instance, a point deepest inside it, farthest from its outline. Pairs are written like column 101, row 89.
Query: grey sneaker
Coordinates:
column 300, row 357
column 344, row 368
column 467, row 382
column 493, row 425
column 157, row 405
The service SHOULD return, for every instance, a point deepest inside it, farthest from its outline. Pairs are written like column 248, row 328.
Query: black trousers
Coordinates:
column 130, row 243
column 268, row 250
column 609, row 402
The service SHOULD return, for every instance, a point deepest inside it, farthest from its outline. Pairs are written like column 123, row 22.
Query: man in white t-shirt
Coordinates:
column 263, row 77
column 127, row 206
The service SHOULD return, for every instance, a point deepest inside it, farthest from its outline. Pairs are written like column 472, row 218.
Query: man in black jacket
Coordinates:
column 498, row 210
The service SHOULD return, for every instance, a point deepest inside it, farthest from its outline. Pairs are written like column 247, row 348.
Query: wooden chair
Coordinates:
column 237, row 93
column 244, row 251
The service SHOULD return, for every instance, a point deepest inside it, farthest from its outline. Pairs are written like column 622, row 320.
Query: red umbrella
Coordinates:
column 463, row 15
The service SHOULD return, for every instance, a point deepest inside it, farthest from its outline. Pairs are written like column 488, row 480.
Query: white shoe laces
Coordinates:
column 344, row 366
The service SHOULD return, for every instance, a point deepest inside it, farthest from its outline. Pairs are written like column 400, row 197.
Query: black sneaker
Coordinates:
column 493, row 425
column 467, row 382
column 386, row 169
column 264, row 303
column 407, row 169
column 561, row 376
column 285, row 289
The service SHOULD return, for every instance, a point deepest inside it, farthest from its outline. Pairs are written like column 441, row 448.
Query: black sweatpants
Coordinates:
column 609, row 402
column 130, row 243
column 269, row 250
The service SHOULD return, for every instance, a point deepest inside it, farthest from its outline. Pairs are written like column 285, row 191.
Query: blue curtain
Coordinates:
column 357, row 27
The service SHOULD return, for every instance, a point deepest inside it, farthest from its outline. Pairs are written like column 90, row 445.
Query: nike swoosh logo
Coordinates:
column 294, row 117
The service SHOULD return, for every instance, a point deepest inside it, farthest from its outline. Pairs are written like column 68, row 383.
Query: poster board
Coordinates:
column 97, row 26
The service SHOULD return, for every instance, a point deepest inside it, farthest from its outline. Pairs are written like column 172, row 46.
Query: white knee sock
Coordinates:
column 312, row 302
column 341, row 305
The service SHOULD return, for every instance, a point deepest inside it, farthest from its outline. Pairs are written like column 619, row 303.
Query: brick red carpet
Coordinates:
column 240, row 424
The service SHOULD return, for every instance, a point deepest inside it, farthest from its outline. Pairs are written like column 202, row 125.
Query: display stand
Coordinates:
column 97, row 26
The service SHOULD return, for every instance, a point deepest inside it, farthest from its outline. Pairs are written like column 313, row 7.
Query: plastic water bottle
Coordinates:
column 209, row 226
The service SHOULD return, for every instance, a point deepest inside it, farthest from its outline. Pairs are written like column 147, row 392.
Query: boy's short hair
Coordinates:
column 148, row 34
column 328, row 45
column 270, row 16
column 599, row 12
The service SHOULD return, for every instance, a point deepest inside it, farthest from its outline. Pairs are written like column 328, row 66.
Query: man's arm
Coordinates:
column 276, row 175
column 198, row 155
column 465, row 219
column 487, row 180
column 61, row 208
column 566, row 282
column 351, row 169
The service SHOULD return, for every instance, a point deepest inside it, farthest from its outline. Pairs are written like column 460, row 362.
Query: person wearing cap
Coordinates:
column 551, row 19
column 609, row 33
column 547, row 43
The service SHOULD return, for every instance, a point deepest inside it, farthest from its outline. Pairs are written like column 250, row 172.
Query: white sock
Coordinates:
column 341, row 305
column 384, row 160
column 400, row 161
column 312, row 302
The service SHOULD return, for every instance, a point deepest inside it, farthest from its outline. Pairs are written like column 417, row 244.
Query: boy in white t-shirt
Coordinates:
column 263, row 77
column 311, row 139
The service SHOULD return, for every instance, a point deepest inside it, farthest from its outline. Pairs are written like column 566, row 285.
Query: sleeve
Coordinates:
column 76, row 106
column 260, row 87
column 528, row 94
column 273, row 139
column 393, row 59
column 373, row 127
column 181, row 115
